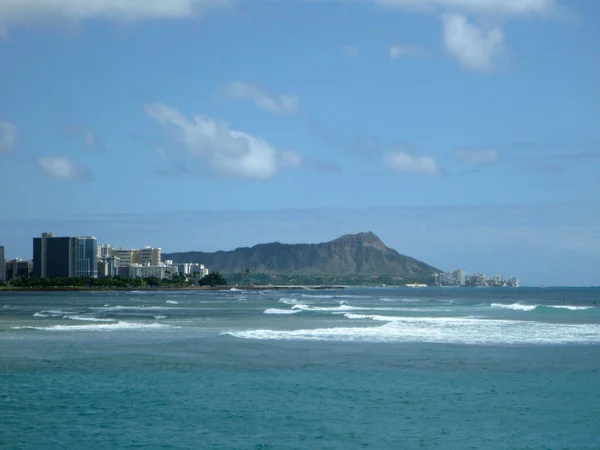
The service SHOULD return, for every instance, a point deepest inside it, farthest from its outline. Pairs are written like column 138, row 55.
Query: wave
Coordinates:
column 521, row 307
column 316, row 296
column 403, row 300
column 172, row 302
column 342, row 307
column 569, row 307
column 289, row 301
column 118, row 326
column 281, row 311
column 136, row 308
column 464, row 331
column 88, row 319
column 514, row 306
column 57, row 312
column 160, row 317
column 37, row 314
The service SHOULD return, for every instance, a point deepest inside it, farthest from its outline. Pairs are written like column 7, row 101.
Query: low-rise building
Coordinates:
column 147, row 271
column 192, row 269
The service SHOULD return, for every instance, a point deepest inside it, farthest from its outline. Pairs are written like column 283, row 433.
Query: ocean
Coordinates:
column 380, row 368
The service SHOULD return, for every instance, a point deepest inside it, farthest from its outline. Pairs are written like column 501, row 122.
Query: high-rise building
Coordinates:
column 53, row 256
column 64, row 256
column 124, row 255
column 148, row 256
column 460, row 277
column 104, row 251
column 86, row 257
column 2, row 269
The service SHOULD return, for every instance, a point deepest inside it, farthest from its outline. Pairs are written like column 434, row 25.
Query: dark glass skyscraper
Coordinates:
column 64, row 256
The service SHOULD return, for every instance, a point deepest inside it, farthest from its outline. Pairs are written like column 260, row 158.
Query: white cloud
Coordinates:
column 501, row 7
column 63, row 168
column 474, row 47
column 351, row 51
column 25, row 12
column 399, row 50
column 227, row 151
column 477, row 47
column 9, row 134
column 276, row 104
column 404, row 161
column 477, row 155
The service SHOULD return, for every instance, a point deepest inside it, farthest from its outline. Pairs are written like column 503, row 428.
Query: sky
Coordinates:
column 465, row 133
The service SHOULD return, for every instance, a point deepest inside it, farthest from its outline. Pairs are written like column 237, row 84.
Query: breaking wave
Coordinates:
column 466, row 331
column 521, row 307
column 281, row 311
column 118, row 326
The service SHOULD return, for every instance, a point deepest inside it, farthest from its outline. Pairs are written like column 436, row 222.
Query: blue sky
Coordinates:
column 463, row 132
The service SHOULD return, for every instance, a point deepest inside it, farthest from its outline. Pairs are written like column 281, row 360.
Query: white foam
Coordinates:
column 304, row 307
column 172, row 302
column 281, row 311
column 89, row 319
column 344, row 307
column 570, row 307
column 58, row 312
column 37, row 314
column 160, row 317
column 289, row 301
column 317, row 295
column 138, row 308
column 514, row 306
column 441, row 330
column 118, row 326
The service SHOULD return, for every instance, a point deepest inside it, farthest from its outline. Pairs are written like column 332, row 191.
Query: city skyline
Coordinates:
column 78, row 256
column 453, row 130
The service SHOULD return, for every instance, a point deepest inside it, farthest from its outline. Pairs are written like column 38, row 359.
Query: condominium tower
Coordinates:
column 64, row 256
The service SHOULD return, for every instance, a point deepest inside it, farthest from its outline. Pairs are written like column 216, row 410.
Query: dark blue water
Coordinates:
column 360, row 368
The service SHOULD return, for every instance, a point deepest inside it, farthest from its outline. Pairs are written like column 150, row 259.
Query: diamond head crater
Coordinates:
column 355, row 259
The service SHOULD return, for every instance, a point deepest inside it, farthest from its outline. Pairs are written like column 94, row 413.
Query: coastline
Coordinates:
column 170, row 288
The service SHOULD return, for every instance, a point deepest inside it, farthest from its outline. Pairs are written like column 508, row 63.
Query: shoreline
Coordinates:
column 167, row 288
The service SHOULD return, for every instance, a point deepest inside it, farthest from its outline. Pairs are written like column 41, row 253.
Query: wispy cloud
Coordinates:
column 27, row 12
column 9, row 135
column 85, row 133
column 352, row 51
column 477, row 155
column 408, row 161
column 161, row 152
column 400, row 50
column 62, row 168
column 274, row 103
column 228, row 152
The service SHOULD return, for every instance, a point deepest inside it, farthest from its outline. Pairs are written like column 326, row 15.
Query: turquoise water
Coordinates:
column 358, row 368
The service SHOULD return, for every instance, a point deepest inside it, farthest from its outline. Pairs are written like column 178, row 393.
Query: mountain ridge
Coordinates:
column 361, row 254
